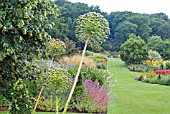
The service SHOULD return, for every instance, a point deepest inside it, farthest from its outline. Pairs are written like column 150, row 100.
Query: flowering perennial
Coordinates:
column 98, row 94
column 162, row 72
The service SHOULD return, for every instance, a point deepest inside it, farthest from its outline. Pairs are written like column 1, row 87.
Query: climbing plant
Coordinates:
column 22, row 34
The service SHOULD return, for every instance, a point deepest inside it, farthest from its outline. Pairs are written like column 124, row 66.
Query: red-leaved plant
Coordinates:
column 98, row 94
column 162, row 72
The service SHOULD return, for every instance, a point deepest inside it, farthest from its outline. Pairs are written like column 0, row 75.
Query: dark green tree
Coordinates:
column 22, row 35
column 123, row 30
column 134, row 50
column 154, row 42
column 143, row 29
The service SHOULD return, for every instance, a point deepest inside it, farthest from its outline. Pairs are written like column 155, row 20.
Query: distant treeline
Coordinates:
column 122, row 24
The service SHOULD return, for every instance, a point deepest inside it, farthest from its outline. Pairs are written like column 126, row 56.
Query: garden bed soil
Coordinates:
column 4, row 108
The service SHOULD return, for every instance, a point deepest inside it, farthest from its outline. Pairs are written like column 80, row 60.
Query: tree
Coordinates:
column 154, row 42
column 22, row 34
column 164, row 49
column 123, row 30
column 134, row 50
column 91, row 28
column 143, row 29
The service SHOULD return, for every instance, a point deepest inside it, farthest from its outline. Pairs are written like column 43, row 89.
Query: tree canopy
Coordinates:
column 134, row 50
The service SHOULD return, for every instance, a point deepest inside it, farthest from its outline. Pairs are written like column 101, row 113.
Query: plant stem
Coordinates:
column 76, row 78
column 56, row 104
column 38, row 100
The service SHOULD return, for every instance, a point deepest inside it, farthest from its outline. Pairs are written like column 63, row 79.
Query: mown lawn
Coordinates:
column 2, row 112
column 135, row 97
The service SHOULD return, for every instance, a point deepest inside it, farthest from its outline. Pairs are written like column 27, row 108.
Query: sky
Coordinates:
column 136, row 6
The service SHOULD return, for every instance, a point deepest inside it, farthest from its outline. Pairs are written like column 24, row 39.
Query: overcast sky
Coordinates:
column 136, row 6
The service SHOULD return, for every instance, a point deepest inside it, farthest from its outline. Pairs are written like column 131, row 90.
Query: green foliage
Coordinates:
column 154, row 80
column 165, row 81
column 94, row 26
column 134, row 50
column 22, row 35
column 55, row 48
column 154, row 55
column 148, row 75
column 56, row 80
column 80, row 97
column 164, row 49
column 137, row 67
column 154, row 42
column 123, row 30
column 47, row 103
column 89, row 53
column 167, row 65
column 71, row 48
column 3, row 101
column 21, row 102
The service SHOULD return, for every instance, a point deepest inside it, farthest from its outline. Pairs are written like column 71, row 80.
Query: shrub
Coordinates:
column 70, row 48
column 154, row 55
column 137, row 67
column 148, row 75
column 101, row 66
column 154, row 80
column 57, row 82
column 167, row 64
column 55, row 48
column 3, row 101
column 165, row 81
column 89, row 53
column 80, row 99
column 145, row 79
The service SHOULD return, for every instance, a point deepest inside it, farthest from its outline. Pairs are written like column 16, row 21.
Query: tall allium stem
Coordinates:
column 76, row 78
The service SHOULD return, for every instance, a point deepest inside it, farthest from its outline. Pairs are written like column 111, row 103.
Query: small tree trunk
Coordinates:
column 76, row 78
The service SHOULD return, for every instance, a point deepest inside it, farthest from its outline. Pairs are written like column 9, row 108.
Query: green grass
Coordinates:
column 135, row 97
column 5, row 112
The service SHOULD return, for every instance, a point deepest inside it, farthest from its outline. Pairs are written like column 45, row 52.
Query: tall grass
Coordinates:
column 76, row 60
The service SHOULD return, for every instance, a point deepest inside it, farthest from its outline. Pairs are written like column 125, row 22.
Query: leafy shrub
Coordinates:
column 167, row 64
column 22, row 105
column 137, row 67
column 107, row 53
column 55, row 48
column 154, row 80
column 154, row 55
column 98, row 95
column 93, row 74
column 148, row 75
column 89, row 53
column 165, row 81
column 48, row 103
column 3, row 101
column 70, row 48
column 101, row 66
column 57, row 82
column 145, row 79
column 115, row 54
column 80, row 98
